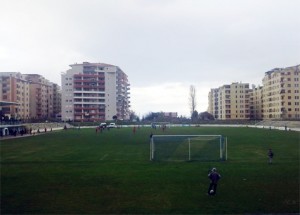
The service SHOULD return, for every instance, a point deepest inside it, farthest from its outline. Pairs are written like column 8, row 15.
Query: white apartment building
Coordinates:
column 94, row 92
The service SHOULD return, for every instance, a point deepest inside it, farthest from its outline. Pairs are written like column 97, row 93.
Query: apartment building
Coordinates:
column 36, row 97
column 256, row 102
column 230, row 101
column 14, row 88
column 278, row 98
column 56, row 100
column 94, row 92
column 213, row 102
column 280, row 93
column 170, row 114
column 41, row 96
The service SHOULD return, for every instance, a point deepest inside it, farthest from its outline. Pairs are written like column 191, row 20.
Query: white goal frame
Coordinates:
column 152, row 144
column 167, row 124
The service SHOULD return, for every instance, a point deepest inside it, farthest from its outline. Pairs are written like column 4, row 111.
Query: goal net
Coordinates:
column 156, row 125
column 188, row 148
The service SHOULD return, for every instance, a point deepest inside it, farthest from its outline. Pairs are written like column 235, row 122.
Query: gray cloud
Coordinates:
column 154, row 42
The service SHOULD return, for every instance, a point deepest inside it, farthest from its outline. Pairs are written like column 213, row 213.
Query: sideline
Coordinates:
column 35, row 133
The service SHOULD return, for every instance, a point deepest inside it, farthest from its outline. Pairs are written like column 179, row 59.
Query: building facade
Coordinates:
column 213, row 102
column 256, row 103
column 230, row 101
column 280, row 94
column 15, row 88
column 170, row 114
column 56, row 100
column 94, row 92
column 35, row 96
column 278, row 98
column 41, row 97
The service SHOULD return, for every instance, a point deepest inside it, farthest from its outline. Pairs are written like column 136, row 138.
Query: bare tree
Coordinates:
column 192, row 99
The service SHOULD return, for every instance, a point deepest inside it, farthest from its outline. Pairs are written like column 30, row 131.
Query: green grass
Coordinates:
column 81, row 172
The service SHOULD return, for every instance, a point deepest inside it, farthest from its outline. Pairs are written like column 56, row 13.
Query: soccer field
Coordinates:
column 84, row 172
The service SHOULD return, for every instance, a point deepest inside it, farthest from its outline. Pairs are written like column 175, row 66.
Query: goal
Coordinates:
column 160, row 124
column 188, row 148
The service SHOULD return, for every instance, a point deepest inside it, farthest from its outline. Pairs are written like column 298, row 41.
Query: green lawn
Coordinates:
column 81, row 172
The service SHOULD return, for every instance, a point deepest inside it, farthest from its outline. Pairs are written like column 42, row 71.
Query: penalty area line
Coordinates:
column 104, row 156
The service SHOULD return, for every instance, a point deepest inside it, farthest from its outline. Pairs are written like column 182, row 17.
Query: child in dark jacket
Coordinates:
column 214, row 177
column 270, row 154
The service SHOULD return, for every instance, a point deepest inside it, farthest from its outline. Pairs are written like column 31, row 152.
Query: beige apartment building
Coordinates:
column 36, row 97
column 41, row 96
column 278, row 98
column 230, row 101
column 14, row 88
column 256, row 103
column 280, row 93
column 213, row 102
column 94, row 92
column 56, row 100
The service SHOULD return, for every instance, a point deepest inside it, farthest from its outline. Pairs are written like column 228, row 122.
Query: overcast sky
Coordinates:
column 164, row 46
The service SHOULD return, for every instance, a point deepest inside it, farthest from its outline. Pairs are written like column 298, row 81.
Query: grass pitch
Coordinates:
column 84, row 172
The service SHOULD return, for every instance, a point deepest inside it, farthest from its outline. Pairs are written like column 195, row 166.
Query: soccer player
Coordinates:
column 270, row 154
column 214, row 177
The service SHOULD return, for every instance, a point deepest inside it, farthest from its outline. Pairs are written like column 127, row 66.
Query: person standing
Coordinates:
column 271, row 155
column 214, row 177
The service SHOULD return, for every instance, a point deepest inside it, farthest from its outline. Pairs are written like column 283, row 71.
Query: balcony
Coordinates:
column 80, row 82
column 88, row 87
column 89, row 76
column 87, row 114
column 85, row 108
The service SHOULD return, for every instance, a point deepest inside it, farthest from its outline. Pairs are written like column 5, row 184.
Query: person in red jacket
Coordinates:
column 214, row 177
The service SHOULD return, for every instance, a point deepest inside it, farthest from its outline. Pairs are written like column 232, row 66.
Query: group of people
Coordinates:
column 100, row 129
column 214, row 176
column 163, row 126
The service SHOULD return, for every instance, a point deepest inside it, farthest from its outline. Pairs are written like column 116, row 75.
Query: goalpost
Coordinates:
column 160, row 124
column 188, row 148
